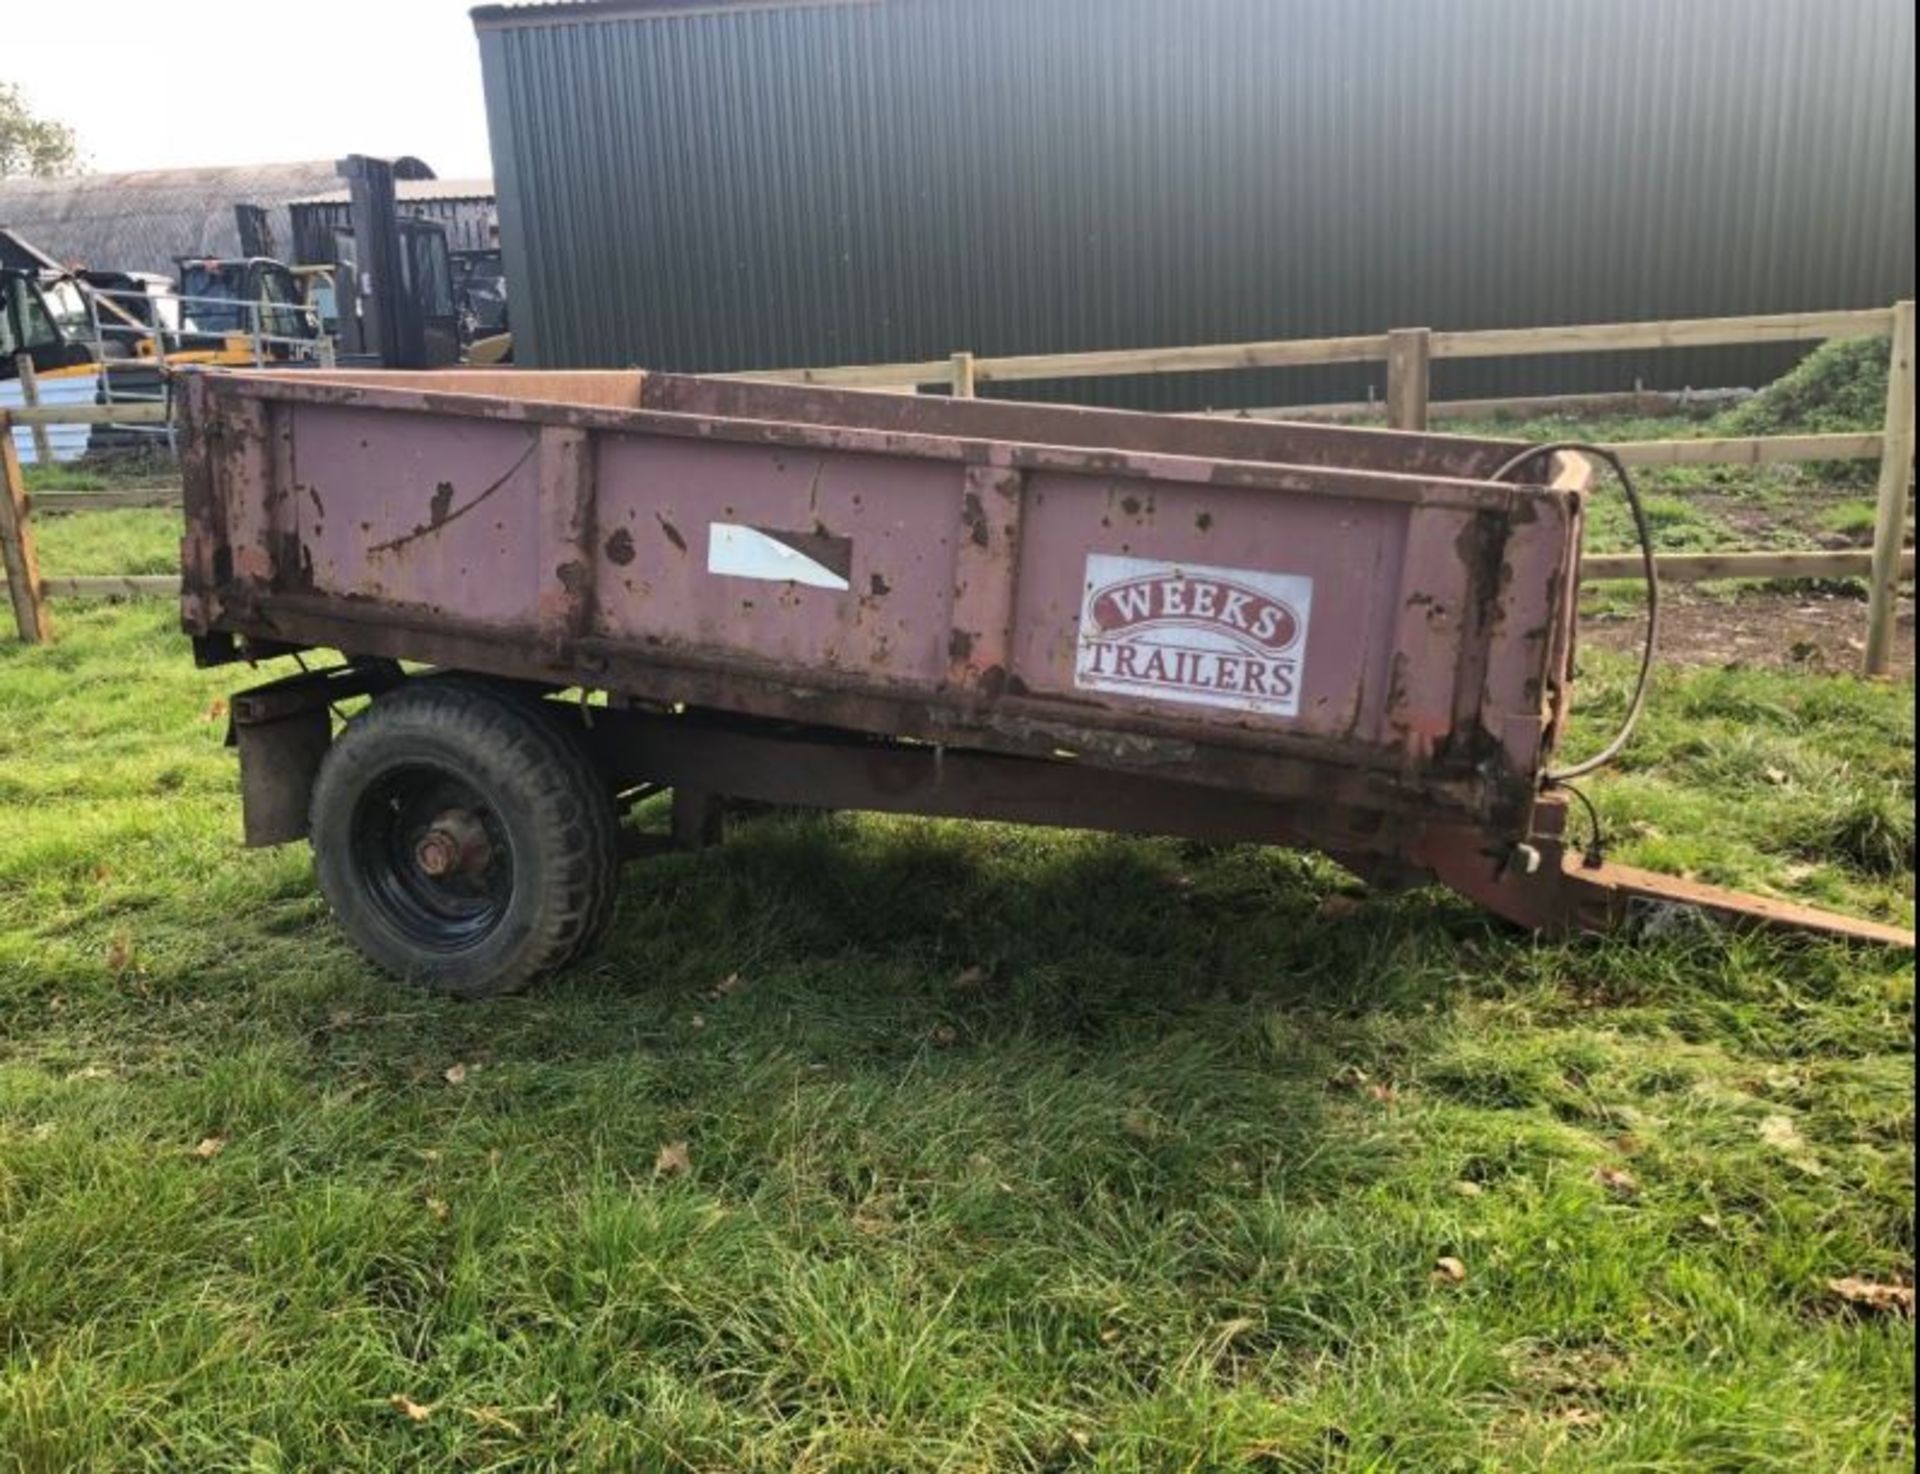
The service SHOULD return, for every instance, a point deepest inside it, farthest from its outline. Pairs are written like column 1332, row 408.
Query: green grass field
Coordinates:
column 878, row 1144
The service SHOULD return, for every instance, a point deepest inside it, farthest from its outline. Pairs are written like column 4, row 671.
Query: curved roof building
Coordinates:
column 141, row 221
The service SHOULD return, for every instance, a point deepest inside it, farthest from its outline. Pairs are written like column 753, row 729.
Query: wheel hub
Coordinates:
column 455, row 843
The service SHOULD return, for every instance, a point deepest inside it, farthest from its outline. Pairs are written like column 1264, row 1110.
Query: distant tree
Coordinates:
column 30, row 144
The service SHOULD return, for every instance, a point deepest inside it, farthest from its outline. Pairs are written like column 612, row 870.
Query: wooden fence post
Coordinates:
column 30, row 396
column 963, row 376
column 1896, row 476
column 1409, row 377
column 17, row 555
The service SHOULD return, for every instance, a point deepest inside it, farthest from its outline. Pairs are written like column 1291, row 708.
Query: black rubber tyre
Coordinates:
column 466, row 842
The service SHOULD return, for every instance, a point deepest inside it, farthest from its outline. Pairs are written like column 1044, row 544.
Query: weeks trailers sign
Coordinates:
column 1220, row 637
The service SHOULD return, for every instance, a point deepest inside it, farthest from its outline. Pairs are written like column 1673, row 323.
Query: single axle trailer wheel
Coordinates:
column 464, row 838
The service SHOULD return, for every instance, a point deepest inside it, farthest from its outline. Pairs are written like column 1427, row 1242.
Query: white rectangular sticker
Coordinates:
column 1222, row 637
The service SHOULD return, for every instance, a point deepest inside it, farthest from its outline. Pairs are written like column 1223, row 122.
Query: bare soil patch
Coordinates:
column 1800, row 629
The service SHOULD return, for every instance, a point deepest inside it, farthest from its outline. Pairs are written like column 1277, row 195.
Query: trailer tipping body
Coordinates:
column 1349, row 639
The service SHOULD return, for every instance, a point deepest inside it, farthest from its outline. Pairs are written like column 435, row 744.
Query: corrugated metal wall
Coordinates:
column 775, row 185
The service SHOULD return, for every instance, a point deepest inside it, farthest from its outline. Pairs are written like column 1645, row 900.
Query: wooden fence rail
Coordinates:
column 1707, row 332
column 1409, row 354
column 1751, row 450
column 131, row 413
column 1710, row 567
column 54, row 503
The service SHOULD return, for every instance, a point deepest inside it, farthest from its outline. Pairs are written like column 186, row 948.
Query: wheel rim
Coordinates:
column 435, row 857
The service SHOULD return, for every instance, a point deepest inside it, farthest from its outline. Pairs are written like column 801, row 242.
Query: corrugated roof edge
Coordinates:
column 589, row 12
column 413, row 191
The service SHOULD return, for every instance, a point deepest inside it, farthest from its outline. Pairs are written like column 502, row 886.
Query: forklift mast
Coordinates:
column 393, row 276
column 255, row 228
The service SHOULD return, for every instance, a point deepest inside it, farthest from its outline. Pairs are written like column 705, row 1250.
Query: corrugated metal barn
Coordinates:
column 735, row 184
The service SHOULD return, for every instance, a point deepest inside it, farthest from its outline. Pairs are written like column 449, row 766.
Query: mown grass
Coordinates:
column 131, row 541
column 77, row 476
column 114, row 471
column 1002, row 1149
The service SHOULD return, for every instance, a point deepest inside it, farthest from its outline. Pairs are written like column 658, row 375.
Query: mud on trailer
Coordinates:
column 1353, row 641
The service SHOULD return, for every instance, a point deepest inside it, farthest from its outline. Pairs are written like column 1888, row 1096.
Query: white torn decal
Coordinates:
column 734, row 551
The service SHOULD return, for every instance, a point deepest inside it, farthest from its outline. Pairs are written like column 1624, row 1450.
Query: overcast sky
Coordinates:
column 150, row 86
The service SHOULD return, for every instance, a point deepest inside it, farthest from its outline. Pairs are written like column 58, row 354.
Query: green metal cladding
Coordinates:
column 719, row 186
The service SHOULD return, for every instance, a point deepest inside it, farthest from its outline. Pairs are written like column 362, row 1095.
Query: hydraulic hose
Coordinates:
column 1644, row 685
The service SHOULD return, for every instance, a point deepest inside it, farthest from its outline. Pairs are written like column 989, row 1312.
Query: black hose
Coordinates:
column 1644, row 685
column 1595, row 853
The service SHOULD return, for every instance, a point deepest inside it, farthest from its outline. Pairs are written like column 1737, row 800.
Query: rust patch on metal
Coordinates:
column 620, row 547
column 673, row 533
column 881, row 588
column 441, row 512
column 292, row 561
column 1399, row 699
column 973, row 516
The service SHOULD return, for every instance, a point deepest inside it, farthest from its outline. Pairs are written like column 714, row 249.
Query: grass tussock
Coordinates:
column 1869, row 828
column 1840, row 387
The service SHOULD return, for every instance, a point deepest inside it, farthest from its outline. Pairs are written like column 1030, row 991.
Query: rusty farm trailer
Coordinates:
column 1349, row 640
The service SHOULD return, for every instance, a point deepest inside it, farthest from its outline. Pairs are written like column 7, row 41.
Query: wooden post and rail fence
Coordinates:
column 1409, row 355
